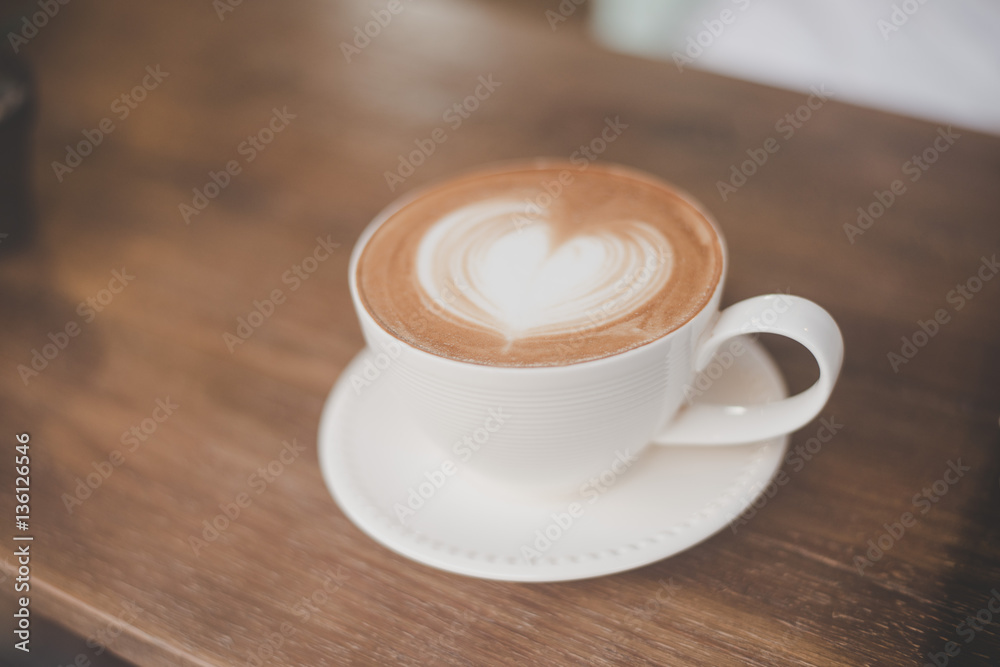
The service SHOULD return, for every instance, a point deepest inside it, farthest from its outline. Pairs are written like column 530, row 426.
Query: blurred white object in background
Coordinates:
column 930, row 59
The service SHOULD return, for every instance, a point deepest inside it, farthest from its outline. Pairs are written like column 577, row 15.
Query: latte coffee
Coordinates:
column 539, row 264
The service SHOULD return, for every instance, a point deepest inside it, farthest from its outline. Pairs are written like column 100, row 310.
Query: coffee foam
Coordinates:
column 521, row 282
column 494, row 269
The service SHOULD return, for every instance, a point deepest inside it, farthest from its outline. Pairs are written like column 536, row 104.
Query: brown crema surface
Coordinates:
column 593, row 200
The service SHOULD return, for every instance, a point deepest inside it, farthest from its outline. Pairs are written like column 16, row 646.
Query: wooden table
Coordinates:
column 174, row 418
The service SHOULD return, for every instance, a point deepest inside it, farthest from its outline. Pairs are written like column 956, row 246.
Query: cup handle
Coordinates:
column 791, row 316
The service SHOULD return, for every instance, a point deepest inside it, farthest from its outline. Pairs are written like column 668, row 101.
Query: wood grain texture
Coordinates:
column 782, row 589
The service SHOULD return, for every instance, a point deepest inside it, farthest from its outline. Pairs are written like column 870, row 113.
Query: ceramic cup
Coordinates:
column 549, row 429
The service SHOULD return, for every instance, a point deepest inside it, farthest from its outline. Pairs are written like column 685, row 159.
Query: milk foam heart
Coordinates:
column 522, row 280
column 539, row 264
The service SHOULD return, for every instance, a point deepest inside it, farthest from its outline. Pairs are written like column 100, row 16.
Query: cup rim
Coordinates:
column 505, row 165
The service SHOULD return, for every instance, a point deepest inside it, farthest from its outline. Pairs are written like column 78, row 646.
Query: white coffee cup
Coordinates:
column 548, row 429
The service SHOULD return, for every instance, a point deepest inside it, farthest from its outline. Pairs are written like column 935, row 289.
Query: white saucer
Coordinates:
column 669, row 500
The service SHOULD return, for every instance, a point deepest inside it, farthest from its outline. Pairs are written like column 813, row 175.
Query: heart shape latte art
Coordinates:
column 489, row 265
